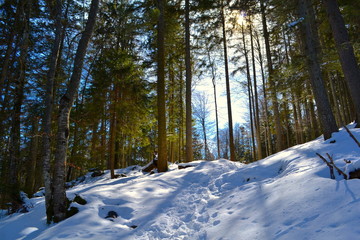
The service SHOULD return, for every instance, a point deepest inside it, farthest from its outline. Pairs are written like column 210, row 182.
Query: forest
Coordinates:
column 104, row 84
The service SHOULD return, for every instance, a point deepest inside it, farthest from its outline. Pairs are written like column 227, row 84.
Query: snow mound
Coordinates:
column 288, row 195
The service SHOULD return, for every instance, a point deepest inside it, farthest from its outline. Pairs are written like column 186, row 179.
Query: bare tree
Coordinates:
column 202, row 113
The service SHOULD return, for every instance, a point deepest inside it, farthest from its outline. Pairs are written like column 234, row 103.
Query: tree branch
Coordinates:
column 337, row 169
column 352, row 136
column 332, row 176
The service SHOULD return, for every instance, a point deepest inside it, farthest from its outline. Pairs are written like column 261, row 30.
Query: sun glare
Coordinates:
column 239, row 17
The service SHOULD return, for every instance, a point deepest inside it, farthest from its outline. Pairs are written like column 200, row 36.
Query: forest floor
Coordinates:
column 288, row 195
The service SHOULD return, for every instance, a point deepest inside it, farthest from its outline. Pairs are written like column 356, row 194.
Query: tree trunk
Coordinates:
column 9, row 48
column 266, row 110
column 256, row 115
column 311, row 43
column 181, row 120
column 113, row 128
column 296, row 119
column 228, row 96
column 273, row 94
column 340, row 122
column 162, row 149
column 248, row 77
column 46, row 125
column 66, row 102
column 314, row 123
column 188, row 110
column 32, row 158
column 346, row 53
column 206, row 149
column 215, row 102
column 15, row 131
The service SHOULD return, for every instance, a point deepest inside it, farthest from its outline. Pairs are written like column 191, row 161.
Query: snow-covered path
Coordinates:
column 288, row 195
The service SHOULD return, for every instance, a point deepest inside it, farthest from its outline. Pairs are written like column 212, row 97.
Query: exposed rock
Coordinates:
column 111, row 215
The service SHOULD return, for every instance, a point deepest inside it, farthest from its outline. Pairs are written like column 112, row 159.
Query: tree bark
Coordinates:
column 31, row 163
column 46, row 125
column 250, row 94
column 162, row 149
column 280, row 145
column 66, row 102
column 346, row 53
column 213, row 75
column 15, row 131
column 188, row 107
column 256, row 115
column 311, row 44
column 113, row 128
column 266, row 110
column 228, row 94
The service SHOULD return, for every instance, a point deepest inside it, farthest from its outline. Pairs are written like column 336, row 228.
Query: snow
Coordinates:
column 288, row 195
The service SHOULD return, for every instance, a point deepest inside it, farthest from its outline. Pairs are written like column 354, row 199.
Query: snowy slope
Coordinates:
column 288, row 195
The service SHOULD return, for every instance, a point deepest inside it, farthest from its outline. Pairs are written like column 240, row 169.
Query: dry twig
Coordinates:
column 352, row 136
column 337, row 169
column 332, row 176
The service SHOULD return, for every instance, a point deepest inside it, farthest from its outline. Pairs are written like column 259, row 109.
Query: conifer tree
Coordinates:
column 345, row 50
column 311, row 45
column 162, row 148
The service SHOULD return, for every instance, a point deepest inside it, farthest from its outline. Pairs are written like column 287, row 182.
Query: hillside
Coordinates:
column 288, row 195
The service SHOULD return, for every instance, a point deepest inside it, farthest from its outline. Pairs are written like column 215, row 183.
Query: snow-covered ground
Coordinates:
column 288, row 195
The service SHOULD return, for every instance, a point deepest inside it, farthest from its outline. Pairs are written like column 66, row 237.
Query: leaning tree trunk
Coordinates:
column 66, row 102
column 311, row 44
column 346, row 53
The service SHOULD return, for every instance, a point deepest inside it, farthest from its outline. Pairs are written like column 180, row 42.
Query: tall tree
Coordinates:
column 66, row 103
column 256, row 99
column 312, row 45
column 346, row 53
column 189, row 147
column 213, row 80
column 228, row 94
column 280, row 145
column 249, row 90
column 46, row 127
column 162, row 149
column 15, row 131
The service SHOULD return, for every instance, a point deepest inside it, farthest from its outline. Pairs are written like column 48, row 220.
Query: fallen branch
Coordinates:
column 332, row 176
column 352, row 136
column 337, row 169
